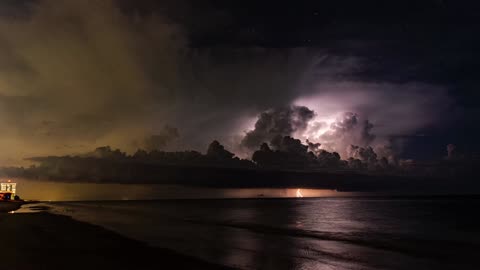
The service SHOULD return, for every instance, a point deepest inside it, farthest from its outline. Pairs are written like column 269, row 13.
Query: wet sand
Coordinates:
column 9, row 206
column 47, row 241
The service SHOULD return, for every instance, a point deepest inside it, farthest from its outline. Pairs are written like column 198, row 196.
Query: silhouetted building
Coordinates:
column 7, row 190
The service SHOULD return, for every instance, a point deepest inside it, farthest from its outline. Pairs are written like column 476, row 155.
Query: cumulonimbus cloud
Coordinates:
column 80, row 74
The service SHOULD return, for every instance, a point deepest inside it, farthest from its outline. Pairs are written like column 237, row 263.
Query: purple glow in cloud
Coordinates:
column 368, row 114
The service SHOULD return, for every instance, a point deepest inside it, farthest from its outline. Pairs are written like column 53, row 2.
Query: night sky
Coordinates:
column 176, row 75
column 433, row 42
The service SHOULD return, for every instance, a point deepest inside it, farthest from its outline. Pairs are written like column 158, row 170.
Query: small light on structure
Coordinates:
column 299, row 194
column 8, row 190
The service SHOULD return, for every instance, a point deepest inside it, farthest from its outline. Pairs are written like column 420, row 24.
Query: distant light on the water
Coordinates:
column 55, row 191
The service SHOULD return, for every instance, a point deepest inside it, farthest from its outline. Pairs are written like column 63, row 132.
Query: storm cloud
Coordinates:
column 277, row 123
column 76, row 75
column 346, row 131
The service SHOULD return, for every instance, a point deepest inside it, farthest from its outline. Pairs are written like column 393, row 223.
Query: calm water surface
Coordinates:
column 326, row 233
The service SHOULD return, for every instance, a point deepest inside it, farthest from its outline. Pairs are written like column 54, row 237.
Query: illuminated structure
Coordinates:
column 7, row 190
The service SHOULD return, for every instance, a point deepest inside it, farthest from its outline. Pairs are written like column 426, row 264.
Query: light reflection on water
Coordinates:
column 339, row 233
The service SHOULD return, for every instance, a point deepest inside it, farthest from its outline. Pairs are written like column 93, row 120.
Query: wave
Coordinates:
column 406, row 244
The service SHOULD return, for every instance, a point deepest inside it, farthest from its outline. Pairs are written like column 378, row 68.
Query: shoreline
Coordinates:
column 6, row 206
column 48, row 241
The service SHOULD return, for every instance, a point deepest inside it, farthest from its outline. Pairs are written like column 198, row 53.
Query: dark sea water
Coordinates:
column 325, row 233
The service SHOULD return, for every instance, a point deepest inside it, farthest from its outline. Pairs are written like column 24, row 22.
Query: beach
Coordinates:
column 47, row 241
column 368, row 233
column 6, row 207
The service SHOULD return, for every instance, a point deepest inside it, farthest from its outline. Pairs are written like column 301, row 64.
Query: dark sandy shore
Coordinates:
column 9, row 206
column 47, row 241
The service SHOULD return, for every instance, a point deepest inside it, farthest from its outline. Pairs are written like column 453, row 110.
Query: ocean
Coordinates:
column 303, row 233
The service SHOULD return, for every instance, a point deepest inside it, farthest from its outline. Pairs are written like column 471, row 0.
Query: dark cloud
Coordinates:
column 348, row 130
column 314, row 147
column 217, row 151
column 291, row 165
column 395, row 110
column 162, row 139
column 77, row 75
column 289, row 145
column 291, row 153
column 81, row 67
column 366, row 154
column 277, row 123
column 451, row 151
column 311, row 89
column 102, row 74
